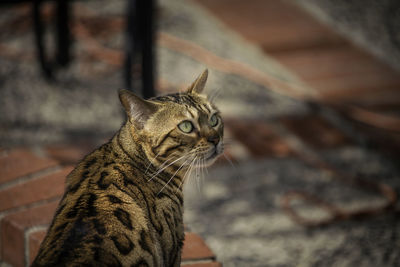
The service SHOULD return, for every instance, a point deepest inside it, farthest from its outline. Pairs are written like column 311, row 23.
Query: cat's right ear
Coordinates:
column 137, row 109
column 198, row 85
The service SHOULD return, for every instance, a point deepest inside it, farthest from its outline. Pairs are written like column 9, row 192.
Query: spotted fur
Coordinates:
column 123, row 202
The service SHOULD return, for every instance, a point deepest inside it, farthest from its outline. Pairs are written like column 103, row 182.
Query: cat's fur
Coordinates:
column 115, row 211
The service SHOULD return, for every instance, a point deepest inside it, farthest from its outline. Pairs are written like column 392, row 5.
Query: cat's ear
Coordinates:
column 199, row 84
column 137, row 109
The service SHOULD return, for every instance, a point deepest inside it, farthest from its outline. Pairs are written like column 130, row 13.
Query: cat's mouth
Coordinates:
column 212, row 155
column 206, row 157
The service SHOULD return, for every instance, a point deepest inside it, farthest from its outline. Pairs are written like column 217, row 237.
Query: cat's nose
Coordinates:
column 213, row 139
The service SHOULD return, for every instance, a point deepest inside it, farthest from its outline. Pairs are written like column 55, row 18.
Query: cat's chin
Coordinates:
column 209, row 160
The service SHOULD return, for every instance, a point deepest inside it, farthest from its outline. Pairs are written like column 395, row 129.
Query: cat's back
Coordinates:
column 100, row 220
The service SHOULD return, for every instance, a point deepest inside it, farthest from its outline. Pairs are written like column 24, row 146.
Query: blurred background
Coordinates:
column 309, row 91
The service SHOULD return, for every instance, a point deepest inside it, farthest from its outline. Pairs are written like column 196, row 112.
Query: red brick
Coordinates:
column 42, row 188
column 273, row 25
column 204, row 264
column 362, row 82
column 333, row 61
column 194, row 248
column 35, row 239
column 13, row 227
column 69, row 154
column 20, row 162
column 386, row 97
column 342, row 72
column 260, row 140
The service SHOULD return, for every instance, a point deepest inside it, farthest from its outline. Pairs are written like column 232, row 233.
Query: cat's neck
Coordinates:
column 130, row 149
column 128, row 144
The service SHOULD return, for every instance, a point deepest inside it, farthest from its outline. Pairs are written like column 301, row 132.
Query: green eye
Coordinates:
column 214, row 120
column 186, row 126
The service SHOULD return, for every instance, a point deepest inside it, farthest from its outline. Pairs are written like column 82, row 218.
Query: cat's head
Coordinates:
column 181, row 125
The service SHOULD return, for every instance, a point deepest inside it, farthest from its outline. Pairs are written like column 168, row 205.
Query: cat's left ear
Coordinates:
column 198, row 85
column 137, row 109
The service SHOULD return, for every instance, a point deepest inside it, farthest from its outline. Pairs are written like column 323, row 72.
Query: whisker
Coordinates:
column 192, row 167
column 151, row 161
column 202, row 167
column 232, row 164
column 161, row 169
column 187, row 173
column 229, row 141
column 206, row 168
column 214, row 95
column 202, row 172
column 173, row 176
column 170, row 157
column 197, row 175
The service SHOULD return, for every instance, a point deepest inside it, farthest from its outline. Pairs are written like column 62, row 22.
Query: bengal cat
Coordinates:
column 123, row 202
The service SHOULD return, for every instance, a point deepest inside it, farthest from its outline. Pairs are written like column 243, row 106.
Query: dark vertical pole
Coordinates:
column 63, row 32
column 140, row 45
column 148, row 48
column 38, row 28
column 130, row 43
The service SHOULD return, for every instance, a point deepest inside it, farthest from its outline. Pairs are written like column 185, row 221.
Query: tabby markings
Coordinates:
column 84, row 203
column 140, row 263
column 61, row 227
column 172, row 148
column 101, row 184
column 179, row 197
column 123, row 244
column 76, row 234
column 108, row 163
column 124, row 217
column 143, row 242
column 190, row 112
column 122, row 148
column 150, row 213
column 114, row 199
column 74, row 211
column 59, row 210
column 91, row 209
column 77, row 185
column 125, row 177
column 99, row 226
column 207, row 108
column 162, row 140
column 105, row 258
column 90, row 163
column 95, row 240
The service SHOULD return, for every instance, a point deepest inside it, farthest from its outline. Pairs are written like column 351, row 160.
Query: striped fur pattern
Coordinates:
column 123, row 202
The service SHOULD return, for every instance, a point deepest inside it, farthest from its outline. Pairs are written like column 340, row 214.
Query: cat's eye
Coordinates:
column 214, row 120
column 186, row 126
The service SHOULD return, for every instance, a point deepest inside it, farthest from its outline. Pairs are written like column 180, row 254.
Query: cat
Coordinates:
column 123, row 202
